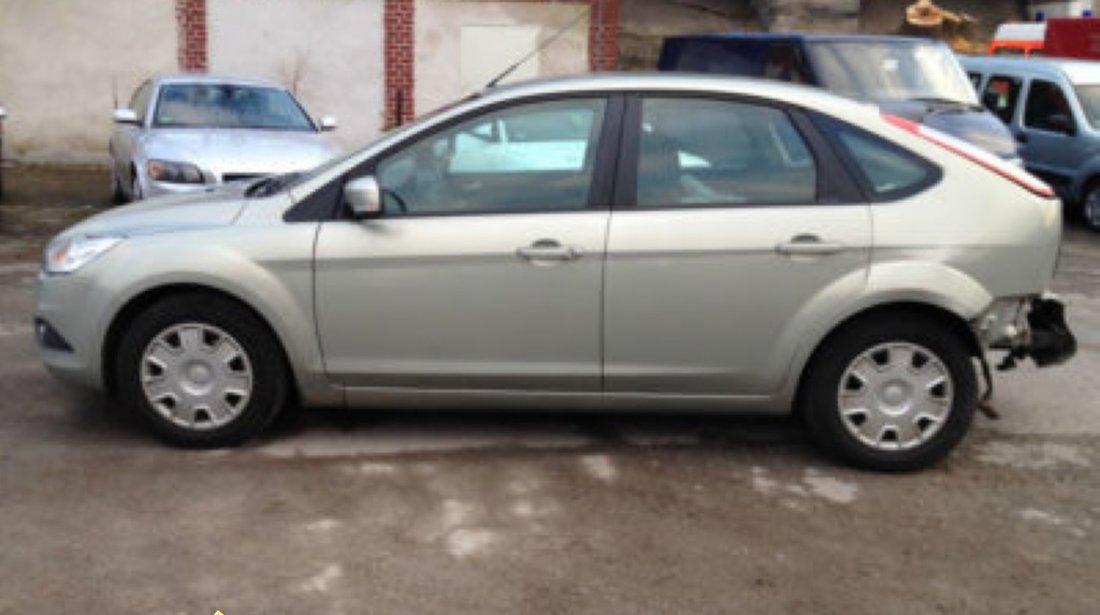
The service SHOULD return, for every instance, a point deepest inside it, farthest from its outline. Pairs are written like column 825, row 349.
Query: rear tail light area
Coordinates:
column 974, row 154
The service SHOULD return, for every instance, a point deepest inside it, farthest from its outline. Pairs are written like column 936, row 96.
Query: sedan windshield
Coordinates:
column 220, row 105
column 881, row 71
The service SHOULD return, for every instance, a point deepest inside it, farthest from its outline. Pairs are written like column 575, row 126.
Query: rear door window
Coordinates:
column 721, row 153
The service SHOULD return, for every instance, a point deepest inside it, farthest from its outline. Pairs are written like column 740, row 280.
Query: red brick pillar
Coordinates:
column 400, row 77
column 603, row 35
column 191, row 26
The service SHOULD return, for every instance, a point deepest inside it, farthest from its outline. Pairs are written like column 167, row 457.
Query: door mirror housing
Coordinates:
column 363, row 197
column 328, row 123
column 125, row 116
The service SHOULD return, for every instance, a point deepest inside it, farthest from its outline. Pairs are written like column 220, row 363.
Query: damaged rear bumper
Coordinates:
column 1033, row 327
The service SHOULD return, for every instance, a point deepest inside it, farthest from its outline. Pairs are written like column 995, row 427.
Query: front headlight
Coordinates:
column 174, row 172
column 71, row 253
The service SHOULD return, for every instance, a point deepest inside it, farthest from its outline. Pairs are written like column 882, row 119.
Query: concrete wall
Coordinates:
column 438, row 48
column 329, row 53
column 57, row 62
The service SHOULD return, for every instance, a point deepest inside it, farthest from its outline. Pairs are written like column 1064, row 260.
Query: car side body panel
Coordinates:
column 959, row 245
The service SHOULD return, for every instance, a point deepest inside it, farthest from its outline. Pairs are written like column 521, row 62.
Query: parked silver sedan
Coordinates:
column 672, row 243
column 185, row 132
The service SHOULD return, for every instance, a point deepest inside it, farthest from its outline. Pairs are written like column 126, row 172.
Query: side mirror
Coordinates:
column 3, row 114
column 328, row 123
column 1061, row 122
column 125, row 116
column 364, row 197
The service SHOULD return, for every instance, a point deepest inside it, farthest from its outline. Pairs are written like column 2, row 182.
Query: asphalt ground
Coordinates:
column 357, row 511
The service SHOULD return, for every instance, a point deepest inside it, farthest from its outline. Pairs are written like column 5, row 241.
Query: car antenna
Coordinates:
column 114, row 90
column 508, row 71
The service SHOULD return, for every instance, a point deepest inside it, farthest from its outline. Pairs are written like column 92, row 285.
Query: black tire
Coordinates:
column 1090, row 206
column 135, row 186
column 931, row 351
column 256, row 358
column 118, row 195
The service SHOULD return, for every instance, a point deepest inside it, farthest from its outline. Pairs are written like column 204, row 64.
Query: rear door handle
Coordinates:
column 549, row 250
column 809, row 245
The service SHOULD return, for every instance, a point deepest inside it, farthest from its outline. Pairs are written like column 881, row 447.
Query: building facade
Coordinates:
column 371, row 63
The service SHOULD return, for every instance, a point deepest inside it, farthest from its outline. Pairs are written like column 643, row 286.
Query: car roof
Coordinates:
column 674, row 84
column 175, row 78
column 658, row 82
column 802, row 37
column 1076, row 71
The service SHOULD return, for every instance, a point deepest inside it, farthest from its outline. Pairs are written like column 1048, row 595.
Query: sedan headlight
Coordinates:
column 174, row 172
column 71, row 253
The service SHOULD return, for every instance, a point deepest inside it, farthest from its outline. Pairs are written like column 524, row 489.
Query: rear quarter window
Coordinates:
column 886, row 171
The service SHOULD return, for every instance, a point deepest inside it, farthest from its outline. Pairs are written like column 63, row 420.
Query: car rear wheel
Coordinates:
column 202, row 370
column 1090, row 207
column 891, row 393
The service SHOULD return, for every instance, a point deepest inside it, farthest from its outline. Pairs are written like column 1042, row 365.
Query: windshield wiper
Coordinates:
column 271, row 184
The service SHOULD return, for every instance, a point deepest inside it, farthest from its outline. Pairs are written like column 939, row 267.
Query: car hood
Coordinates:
column 967, row 122
column 194, row 210
column 243, row 151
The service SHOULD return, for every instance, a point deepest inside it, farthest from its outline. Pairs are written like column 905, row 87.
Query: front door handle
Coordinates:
column 809, row 245
column 549, row 250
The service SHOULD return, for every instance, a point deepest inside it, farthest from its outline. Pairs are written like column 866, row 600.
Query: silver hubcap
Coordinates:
column 895, row 396
column 1092, row 208
column 196, row 376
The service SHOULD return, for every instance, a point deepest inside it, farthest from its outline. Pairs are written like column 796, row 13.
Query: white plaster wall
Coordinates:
column 57, row 62
column 328, row 51
column 438, row 42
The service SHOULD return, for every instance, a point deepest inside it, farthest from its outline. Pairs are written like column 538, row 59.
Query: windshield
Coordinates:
column 896, row 70
column 220, row 105
column 1089, row 96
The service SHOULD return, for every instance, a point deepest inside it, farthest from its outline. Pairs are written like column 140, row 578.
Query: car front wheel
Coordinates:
column 202, row 370
column 892, row 393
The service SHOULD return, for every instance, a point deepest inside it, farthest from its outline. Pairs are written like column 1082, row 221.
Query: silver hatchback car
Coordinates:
column 667, row 243
column 182, row 133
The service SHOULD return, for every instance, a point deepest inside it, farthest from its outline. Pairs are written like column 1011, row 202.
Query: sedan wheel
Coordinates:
column 895, row 396
column 203, row 370
column 196, row 376
column 118, row 196
column 891, row 393
column 135, row 187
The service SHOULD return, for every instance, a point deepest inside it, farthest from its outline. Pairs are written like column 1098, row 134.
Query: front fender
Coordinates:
column 274, row 278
